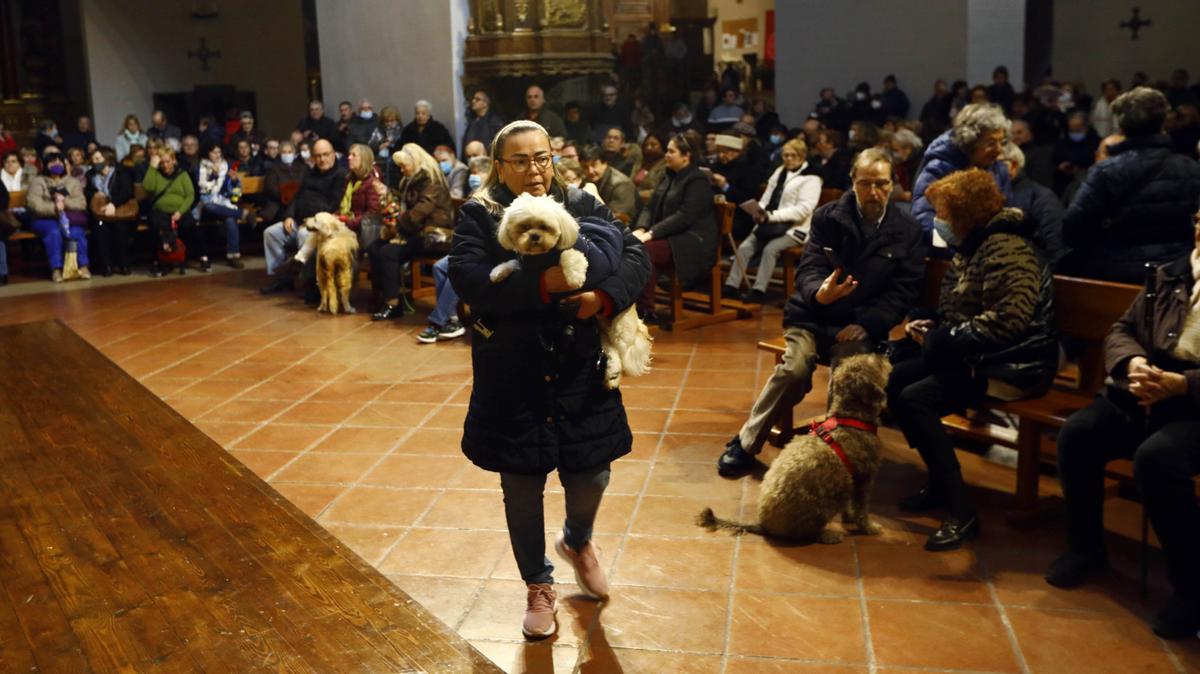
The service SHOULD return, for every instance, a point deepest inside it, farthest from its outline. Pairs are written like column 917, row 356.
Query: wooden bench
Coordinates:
column 17, row 200
column 421, row 282
column 1084, row 311
column 148, row 547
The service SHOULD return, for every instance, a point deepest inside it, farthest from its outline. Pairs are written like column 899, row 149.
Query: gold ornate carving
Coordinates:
column 565, row 14
column 522, row 7
column 493, row 19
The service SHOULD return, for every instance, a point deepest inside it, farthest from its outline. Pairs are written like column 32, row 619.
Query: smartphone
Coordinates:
column 834, row 260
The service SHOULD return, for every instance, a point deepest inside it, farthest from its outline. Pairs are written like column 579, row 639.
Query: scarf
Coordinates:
column 351, row 188
column 777, row 193
column 1188, row 347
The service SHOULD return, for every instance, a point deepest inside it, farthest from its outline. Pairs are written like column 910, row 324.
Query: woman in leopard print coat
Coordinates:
column 993, row 335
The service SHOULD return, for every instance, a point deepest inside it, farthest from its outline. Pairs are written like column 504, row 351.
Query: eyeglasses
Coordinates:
column 522, row 164
column 879, row 185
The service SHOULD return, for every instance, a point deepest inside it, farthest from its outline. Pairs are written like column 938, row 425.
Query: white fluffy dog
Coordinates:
column 337, row 249
column 537, row 225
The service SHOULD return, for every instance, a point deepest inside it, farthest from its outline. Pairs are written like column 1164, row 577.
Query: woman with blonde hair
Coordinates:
column 424, row 225
column 131, row 134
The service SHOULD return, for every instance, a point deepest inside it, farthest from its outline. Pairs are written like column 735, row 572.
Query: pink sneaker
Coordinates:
column 539, row 612
column 586, row 563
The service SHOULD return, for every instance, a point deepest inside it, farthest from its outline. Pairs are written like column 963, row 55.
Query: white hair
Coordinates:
column 907, row 137
column 976, row 120
column 424, row 104
column 1015, row 155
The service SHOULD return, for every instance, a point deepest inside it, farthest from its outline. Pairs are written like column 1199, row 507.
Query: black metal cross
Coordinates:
column 1135, row 24
column 204, row 54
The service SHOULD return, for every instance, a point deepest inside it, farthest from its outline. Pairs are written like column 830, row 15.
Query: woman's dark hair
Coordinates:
column 48, row 159
column 682, row 144
column 209, row 147
column 10, row 153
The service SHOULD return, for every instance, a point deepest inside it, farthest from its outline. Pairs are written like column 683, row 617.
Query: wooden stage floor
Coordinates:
column 130, row 541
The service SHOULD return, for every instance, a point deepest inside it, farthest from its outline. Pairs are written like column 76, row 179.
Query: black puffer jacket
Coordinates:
column 889, row 264
column 1134, row 207
column 538, row 400
column 997, row 306
column 681, row 211
column 1045, row 213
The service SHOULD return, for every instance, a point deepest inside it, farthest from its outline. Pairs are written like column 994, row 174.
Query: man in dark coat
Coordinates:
column 1136, row 206
column 1040, row 205
column 837, row 312
column 424, row 130
column 317, row 126
column 833, row 160
column 483, row 123
column 321, row 190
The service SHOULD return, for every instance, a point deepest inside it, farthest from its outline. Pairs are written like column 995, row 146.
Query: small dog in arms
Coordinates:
column 828, row 472
column 539, row 225
column 337, row 250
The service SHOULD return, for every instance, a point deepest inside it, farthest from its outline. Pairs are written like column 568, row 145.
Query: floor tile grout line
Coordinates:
column 1009, row 632
column 868, row 640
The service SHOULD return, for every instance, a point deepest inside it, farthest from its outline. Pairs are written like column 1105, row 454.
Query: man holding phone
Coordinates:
column 861, row 272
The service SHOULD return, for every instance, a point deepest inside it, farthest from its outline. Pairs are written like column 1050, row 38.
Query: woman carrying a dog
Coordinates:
column 538, row 402
column 992, row 335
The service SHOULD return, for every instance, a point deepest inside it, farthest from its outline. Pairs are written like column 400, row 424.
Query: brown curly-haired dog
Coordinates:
column 337, row 250
column 808, row 485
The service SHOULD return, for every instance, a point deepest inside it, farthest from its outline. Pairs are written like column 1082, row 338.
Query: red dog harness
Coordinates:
column 824, row 430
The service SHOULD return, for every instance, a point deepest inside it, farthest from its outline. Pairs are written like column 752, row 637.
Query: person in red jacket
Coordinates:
column 361, row 202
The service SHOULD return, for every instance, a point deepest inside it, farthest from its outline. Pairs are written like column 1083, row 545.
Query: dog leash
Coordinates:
column 824, row 430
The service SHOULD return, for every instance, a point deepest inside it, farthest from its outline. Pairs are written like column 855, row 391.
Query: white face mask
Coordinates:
column 287, row 157
column 366, row 114
column 305, row 154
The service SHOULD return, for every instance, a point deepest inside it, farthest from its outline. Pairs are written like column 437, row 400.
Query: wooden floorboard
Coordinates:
column 130, row 541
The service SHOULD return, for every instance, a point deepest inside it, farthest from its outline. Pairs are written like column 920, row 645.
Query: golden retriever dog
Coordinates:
column 538, row 225
column 809, row 483
column 337, row 250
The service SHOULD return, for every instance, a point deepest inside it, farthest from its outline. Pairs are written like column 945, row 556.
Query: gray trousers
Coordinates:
column 790, row 382
column 766, row 263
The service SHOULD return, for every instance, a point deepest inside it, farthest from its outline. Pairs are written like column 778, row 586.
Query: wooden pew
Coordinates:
column 133, row 542
column 17, row 200
column 420, row 280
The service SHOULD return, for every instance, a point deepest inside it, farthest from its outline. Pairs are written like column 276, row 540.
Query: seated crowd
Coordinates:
column 1010, row 187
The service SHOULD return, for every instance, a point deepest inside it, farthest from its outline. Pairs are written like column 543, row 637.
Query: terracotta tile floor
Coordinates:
column 358, row 425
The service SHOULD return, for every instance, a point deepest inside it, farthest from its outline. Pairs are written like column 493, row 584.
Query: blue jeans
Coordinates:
column 51, row 234
column 525, row 512
column 230, row 215
column 446, row 307
column 3, row 259
column 277, row 243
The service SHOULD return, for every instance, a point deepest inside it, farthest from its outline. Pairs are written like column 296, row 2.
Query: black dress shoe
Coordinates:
column 755, row 296
column 3, row 279
column 157, row 270
column 279, row 285
column 1073, row 568
column 953, row 533
column 388, row 312
column 735, row 461
column 1179, row 619
column 922, row 501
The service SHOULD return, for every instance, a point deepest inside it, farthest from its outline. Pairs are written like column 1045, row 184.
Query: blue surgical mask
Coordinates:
column 944, row 230
column 776, row 139
column 287, row 157
column 57, row 170
column 474, row 181
column 555, row 159
column 1077, row 136
column 446, row 165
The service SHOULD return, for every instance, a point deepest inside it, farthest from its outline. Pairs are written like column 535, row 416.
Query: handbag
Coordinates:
column 176, row 253
column 126, row 211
